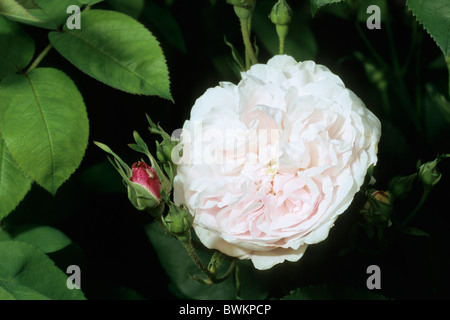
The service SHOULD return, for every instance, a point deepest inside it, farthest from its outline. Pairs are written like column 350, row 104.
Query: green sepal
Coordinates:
column 118, row 162
column 142, row 147
column 400, row 186
column 140, row 197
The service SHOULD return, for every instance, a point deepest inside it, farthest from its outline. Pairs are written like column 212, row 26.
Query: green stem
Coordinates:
column 414, row 42
column 419, row 206
column 394, row 57
column 237, row 282
column 369, row 46
column 39, row 58
column 418, row 90
column 400, row 89
column 282, row 42
column 226, row 274
column 191, row 252
column 385, row 102
column 44, row 52
column 249, row 52
column 447, row 60
column 204, row 269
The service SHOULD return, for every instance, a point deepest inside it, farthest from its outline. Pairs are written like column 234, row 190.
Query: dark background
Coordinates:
column 110, row 245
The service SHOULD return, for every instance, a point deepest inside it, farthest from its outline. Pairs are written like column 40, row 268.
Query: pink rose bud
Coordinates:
column 146, row 176
column 144, row 187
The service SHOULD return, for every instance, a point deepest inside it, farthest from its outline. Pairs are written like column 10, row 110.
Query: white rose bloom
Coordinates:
column 268, row 165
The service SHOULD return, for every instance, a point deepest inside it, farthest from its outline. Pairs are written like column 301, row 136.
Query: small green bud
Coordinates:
column 281, row 13
column 242, row 3
column 243, row 8
column 243, row 13
column 281, row 16
column 215, row 262
column 164, row 154
column 164, row 150
column 400, row 186
column 429, row 174
column 178, row 221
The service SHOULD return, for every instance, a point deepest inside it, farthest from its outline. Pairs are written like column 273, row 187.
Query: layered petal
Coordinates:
column 270, row 163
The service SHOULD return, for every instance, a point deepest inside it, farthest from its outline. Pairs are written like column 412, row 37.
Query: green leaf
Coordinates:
column 415, row 232
column 17, row 47
column 317, row 4
column 27, row 273
column 124, row 170
column 400, row 186
column 116, row 50
column 46, row 238
column 435, row 17
column 53, row 12
column 332, row 292
column 180, row 268
column 14, row 185
column 163, row 22
column 236, row 57
column 439, row 101
column 89, row 2
column 15, row 11
column 4, row 236
column 44, row 124
column 48, row 14
column 133, row 8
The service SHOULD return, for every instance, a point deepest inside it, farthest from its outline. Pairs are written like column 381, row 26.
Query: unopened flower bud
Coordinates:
column 215, row 262
column 281, row 13
column 429, row 174
column 378, row 208
column 144, row 187
column 243, row 8
column 281, row 16
column 242, row 3
column 164, row 150
column 178, row 221
column 400, row 186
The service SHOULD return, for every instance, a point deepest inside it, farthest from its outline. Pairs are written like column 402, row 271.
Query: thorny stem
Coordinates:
column 250, row 56
column 204, row 269
column 191, row 252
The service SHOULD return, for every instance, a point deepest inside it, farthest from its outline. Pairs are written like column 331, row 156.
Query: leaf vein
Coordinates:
column 46, row 128
column 117, row 62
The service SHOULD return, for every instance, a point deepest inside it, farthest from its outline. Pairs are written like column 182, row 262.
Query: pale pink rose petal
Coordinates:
column 269, row 165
